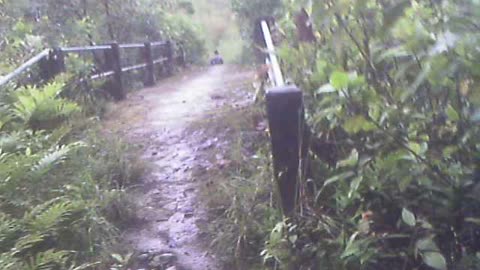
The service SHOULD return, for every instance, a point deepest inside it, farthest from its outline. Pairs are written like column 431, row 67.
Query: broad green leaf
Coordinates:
column 339, row 80
column 408, row 217
column 425, row 224
column 449, row 150
column 405, row 182
column 355, row 80
column 394, row 52
column 415, row 147
column 355, row 185
column 321, row 65
column 418, row 148
column 435, row 260
column 351, row 247
column 338, row 177
column 426, row 244
column 352, row 160
column 452, row 114
column 277, row 233
column 117, row 257
column 374, row 111
column 326, row 88
column 358, row 123
column 293, row 238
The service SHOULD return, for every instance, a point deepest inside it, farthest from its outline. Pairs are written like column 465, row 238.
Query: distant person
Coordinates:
column 217, row 59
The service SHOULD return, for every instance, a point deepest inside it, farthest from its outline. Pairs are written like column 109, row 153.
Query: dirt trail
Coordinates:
column 170, row 210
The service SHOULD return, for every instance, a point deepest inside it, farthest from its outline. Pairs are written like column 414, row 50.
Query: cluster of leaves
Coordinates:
column 28, row 26
column 248, row 13
column 60, row 193
column 392, row 98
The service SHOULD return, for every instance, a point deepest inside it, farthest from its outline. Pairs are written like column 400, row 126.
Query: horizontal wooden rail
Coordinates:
column 132, row 46
column 52, row 62
column 102, row 75
column 37, row 58
column 134, row 67
column 161, row 60
column 85, row 49
column 159, row 43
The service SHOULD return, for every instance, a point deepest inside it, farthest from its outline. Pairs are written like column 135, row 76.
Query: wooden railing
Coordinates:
column 287, row 128
column 153, row 56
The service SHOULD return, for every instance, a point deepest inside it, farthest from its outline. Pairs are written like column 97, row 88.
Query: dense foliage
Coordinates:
column 62, row 185
column 27, row 26
column 248, row 13
column 61, row 195
column 392, row 97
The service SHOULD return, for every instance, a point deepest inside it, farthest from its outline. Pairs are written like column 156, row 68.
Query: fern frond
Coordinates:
column 9, row 262
column 54, row 157
column 29, row 245
column 10, row 231
column 57, row 135
column 5, row 116
column 42, row 108
column 55, row 217
column 11, row 141
column 50, row 260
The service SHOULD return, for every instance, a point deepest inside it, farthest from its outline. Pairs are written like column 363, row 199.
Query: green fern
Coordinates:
column 9, row 262
column 58, row 196
column 12, row 141
column 53, row 215
column 53, row 158
column 43, row 108
column 5, row 116
column 29, row 245
column 10, row 231
column 50, row 260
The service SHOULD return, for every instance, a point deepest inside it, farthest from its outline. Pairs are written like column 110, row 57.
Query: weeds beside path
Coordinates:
column 170, row 228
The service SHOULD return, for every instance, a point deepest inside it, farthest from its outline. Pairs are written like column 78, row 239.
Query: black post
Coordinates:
column 286, row 120
column 114, row 63
column 170, row 60
column 182, row 56
column 150, row 70
column 53, row 65
column 58, row 61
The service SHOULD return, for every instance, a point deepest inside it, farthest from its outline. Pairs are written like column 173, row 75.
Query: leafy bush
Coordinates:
column 60, row 197
column 182, row 30
column 392, row 101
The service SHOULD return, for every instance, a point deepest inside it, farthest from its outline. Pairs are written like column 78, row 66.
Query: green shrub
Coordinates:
column 61, row 198
column 391, row 97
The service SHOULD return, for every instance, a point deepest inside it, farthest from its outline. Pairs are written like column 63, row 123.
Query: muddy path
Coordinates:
column 170, row 211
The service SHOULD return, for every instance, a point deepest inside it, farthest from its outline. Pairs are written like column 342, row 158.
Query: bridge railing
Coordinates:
column 286, row 125
column 159, row 55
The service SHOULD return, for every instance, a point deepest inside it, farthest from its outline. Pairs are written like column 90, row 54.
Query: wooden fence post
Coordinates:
column 286, row 120
column 114, row 63
column 150, row 69
column 170, row 60
column 182, row 56
column 58, row 61
column 52, row 65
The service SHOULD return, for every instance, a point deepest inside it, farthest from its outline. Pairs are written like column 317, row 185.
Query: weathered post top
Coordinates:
column 286, row 119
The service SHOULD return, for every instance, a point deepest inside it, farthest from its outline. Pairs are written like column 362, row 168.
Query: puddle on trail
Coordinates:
column 170, row 214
